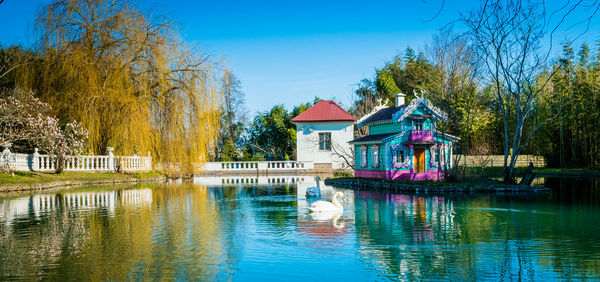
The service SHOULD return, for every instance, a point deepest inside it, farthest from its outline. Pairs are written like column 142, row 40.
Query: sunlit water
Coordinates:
column 262, row 231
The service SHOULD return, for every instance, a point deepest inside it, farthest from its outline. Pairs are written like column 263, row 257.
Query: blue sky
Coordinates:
column 287, row 52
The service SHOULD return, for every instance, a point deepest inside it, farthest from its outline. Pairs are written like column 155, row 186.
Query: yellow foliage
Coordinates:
column 132, row 83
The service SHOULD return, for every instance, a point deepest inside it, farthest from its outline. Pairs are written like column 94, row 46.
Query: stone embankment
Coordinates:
column 66, row 184
column 464, row 187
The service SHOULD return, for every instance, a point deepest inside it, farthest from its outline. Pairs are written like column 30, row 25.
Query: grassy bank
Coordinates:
column 42, row 177
column 488, row 186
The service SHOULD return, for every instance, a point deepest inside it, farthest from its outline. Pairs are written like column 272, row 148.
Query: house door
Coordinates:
column 419, row 160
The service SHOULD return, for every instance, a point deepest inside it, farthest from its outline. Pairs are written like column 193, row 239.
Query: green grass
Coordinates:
column 40, row 177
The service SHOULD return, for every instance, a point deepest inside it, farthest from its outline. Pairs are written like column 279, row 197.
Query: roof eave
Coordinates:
column 447, row 135
column 387, row 121
column 308, row 121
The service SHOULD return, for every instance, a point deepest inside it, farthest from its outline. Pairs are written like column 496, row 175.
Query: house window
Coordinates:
column 399, row 157
column 325, row 141
column 375, row 156
column 418, row 125
column 363, row 156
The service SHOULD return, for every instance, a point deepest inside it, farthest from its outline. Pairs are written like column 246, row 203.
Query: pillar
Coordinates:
column 411, row 164
column 5, row 156
column 111, row 158
column 35, row 163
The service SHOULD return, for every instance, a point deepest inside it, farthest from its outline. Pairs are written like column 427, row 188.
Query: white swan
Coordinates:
column 333, row 216
column 323, row 206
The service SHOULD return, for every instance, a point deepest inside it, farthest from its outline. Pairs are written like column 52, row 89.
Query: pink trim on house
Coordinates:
column 367, row 173
column 397, row 174
column 431, row 174
column 420, row 135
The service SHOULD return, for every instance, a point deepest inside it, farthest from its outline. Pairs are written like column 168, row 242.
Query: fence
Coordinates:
column 256, row 166
column 48, row 163
column 498, row 160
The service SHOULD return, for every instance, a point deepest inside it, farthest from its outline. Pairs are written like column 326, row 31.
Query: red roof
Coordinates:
column 324, row 111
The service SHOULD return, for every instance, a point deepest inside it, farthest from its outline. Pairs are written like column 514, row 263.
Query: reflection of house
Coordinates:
column 403, row 143
column 419, row 218
column 323, row 132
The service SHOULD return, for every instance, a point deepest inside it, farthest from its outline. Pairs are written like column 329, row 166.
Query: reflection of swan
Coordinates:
column 334, row 216
column 334, row 205
column 314, row 191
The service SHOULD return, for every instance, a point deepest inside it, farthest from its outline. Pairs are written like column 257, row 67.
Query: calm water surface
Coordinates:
column 264, row 232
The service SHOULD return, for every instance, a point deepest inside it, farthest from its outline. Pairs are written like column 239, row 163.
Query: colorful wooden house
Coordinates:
column 402, row 142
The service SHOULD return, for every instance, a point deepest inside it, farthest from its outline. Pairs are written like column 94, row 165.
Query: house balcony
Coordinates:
column 420, row 135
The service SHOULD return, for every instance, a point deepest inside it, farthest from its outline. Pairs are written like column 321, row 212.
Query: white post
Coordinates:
column 5, row 156
column 111, row 158
column 35, row 163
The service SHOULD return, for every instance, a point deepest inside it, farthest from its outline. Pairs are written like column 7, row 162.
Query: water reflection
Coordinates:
column 264, row 232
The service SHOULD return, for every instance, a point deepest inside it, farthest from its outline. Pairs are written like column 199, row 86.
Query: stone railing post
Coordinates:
column 5, row 158
column 35, row 163
column 149, row 164
column 111, row 159
column 136, row 159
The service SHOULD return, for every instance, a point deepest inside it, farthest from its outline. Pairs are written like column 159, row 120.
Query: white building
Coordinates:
column 323, row 132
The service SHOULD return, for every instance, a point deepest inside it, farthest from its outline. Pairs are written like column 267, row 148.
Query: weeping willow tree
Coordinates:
column 132, row 82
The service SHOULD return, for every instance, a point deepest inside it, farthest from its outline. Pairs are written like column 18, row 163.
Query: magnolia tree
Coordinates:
column 25, row 120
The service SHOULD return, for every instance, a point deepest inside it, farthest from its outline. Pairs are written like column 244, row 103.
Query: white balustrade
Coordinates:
column 19, row 162
column 256, row 166
column 102, row 163
column 135, row 163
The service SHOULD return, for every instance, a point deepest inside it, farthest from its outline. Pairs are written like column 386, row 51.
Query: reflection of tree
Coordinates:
column 178, row 235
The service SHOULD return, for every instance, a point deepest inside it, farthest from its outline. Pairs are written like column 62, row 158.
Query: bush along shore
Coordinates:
column 36, row 181
column 430, row 186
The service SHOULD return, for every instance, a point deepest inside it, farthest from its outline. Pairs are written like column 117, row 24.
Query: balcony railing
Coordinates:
column 420, row 135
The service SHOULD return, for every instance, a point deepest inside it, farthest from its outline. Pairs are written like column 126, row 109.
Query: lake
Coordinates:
column 259, row 229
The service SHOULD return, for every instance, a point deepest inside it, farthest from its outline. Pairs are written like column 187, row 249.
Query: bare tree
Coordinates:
column 344, row 152
column 233, row 118
column 508, row 36
column 454, row 88
column 367, row 100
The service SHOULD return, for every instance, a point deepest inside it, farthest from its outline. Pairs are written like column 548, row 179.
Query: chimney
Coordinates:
column 400, row 99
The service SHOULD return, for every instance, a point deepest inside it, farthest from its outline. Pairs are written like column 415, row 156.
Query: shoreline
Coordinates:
column 566, row 174
column 67, row 184
column 425, row 187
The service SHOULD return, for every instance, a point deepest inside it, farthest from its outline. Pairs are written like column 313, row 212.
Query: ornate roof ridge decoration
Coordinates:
column 414, row 104
column 376, row 109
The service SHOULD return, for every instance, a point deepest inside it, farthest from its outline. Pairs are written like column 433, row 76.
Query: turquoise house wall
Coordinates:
column 385, row 128
column 357, row 160
column 357, row 157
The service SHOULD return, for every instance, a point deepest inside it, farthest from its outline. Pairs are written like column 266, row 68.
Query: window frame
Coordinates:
column 417, row 124
column 376, row 155
column 324, row 141
column 364, row 159
column 399, row 155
